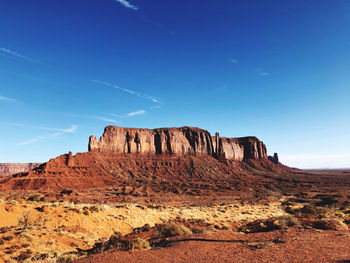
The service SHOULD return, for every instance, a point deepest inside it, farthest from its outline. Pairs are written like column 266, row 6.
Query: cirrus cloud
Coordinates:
column 127, row 4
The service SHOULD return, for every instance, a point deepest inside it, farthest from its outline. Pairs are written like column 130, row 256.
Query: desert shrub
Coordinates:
column 40, row 257
column 7, row 238
column 115, row 242
column 86, row 212
column 156, row 206
column 197, row 230
column 270, row 224
column 171, row 229
column 24, row 255
column 26, row 221
column 138, row 243
column 41, row 208
column 36, row 198
column 94, row 208
column 75, row 209
column 13, row 202
column 306, row 210
column 144, row 228
column 66, row 192
column 4, row 229
column 330, row 224
column 288, row 221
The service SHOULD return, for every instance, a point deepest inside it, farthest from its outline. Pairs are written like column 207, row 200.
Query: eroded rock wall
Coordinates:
column 181, row 141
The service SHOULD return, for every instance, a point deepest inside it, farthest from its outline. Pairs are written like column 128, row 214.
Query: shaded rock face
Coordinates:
column 13, row 168
column 177, row 141
column 274, row 158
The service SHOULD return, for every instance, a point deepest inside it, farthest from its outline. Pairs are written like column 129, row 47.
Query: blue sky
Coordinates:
column 279, row 70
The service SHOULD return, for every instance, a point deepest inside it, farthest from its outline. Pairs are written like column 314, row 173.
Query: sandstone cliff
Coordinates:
column 13, row 168
column 177, row 141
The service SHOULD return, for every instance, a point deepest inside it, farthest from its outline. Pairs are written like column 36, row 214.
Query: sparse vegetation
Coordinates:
column 36, row 198
column 138, row 243
column 171, row 229
column 270, row 224
column 24, row 255
column 330, row 224
column 94, row 208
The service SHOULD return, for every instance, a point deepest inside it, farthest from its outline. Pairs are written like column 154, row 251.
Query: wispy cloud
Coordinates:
column 3, row 98
column 233, row 61
column 127, row 4
column 261, row 72
column 135, row 113
column 130, row 114
column 59, row 132
column 138, row 94
column 104, row 119
column 16, row 54
column 68, row 130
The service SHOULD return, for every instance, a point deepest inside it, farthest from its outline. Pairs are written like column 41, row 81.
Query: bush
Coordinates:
column 94, row 208
column 197, row 230
column 270, row 224
column 36, row 198
column 115, row 242
column 172, row 229
column 138, row 243
column 66, row 192
column 288, row 221
column 330, row 224
column 312, row 210
column 24, row 255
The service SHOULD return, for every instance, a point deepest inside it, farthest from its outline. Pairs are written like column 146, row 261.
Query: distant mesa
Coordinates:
column 12, row 168
column 177, row 141
column 152, row 156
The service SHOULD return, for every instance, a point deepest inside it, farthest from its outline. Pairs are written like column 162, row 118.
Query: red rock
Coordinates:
column 180, row 141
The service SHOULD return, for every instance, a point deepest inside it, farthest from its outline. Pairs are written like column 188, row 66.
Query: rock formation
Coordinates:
column 177, row 141
column 13, row 168
column 175, row 160
column 274, row 158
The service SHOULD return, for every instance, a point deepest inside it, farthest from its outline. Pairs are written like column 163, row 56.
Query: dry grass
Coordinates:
column 270, row 224
column 138, row 243
column 171, row 229
column 74, row 226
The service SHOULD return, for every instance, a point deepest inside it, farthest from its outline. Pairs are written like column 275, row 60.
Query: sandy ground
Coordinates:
column 295, row 245
column 57, row 228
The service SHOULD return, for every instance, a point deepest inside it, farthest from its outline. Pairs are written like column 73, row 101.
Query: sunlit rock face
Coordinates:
column 177, row 141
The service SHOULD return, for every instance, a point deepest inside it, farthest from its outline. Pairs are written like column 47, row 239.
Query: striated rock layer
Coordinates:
column 177, row 160
column 13, row 168
column 177, row 141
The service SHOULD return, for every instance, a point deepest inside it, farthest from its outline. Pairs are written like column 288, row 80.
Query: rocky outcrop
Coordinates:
column 239, row 149
column 13, row 168
column 177, row 141
column 274, row 158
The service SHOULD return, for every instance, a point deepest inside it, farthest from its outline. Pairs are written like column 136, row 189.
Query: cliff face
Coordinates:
column 179, row 141
column 13, row 168
column 184, row 140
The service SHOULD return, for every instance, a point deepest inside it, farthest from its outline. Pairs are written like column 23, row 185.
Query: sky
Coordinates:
column 275, row 69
